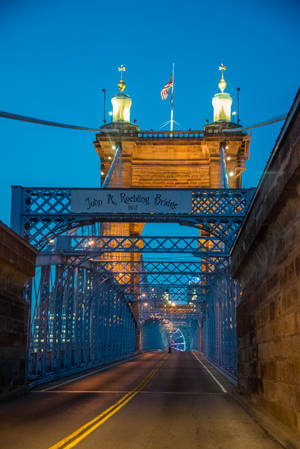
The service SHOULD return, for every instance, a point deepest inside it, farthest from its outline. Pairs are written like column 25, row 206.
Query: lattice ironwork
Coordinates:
column 80, row 319
column 81, row 316
column 166, row 313
column 162, row 266
column 150, row 274
column 161, row 279
column 93, row 245
column 39, row 214
column 219, row 321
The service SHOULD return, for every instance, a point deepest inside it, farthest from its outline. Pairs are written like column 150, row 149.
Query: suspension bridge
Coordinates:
column 115, row 313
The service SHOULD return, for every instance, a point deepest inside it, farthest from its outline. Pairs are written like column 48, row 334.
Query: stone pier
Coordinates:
column 266, row 259
column 17, row 265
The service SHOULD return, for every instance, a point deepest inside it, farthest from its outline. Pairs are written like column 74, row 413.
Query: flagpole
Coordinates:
column 172, row 101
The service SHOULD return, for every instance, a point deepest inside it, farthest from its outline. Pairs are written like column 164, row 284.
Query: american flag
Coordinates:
column 165, row 89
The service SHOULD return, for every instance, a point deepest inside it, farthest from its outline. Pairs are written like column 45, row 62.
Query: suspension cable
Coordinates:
column 112, row 167
column 257, row 125
column 38, row 121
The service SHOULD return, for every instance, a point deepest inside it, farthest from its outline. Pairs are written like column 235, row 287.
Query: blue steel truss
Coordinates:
column 162, row 266
column 93, row 246
column 140, row 278
column 82, row 298
column 40, row 214
column 219, row 321
column 80, row 319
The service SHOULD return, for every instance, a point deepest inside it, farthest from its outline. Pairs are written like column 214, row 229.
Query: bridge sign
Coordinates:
column 130, row 200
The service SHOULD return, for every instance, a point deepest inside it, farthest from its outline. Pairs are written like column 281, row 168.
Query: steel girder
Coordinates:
column 160, row 279
column 93, row 246
column 161, row 283
column 164, row 267
column 157, row 293
column 163, row 277
column 122, row 268
column 206, row 263
column 149, row 274
column 39, row 214
column 181, row 318
column 166, row 315
column 147, row 279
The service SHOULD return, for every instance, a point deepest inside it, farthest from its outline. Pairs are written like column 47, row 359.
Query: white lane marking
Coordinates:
column 83, row 376
column 210, row 373
column 126, row 391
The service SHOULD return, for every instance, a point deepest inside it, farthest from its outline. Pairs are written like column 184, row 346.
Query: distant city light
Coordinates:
column 51, row 241
column 173, row 304
column 91, row 242
column 195, row 279
column 231, row 174
column 145, row 304
column 114, row 147
column 228, row 158
column 102, row 173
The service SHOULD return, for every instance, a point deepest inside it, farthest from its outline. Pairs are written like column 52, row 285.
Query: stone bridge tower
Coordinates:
column 211, row 158
column 177, row 159
column 131, row 158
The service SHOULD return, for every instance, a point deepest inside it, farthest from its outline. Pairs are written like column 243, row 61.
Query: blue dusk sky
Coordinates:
column 57, row 56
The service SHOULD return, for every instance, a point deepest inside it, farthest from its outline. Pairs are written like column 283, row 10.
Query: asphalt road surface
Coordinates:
column 157, row 401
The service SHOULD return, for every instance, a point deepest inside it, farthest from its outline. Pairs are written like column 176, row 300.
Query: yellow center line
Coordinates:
column 83, row 431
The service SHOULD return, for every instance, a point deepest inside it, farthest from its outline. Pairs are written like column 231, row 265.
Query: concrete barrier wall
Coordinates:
column 266, row 259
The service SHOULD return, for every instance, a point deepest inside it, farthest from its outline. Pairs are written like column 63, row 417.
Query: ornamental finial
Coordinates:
column 222, row 84
column 121, row 84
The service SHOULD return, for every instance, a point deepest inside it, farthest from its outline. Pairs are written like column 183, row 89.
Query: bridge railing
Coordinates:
column 219, row 340
column 145, row 135
column 79, row 320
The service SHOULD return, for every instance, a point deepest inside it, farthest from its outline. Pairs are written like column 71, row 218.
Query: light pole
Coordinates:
column 104, row 101
column 238, row 104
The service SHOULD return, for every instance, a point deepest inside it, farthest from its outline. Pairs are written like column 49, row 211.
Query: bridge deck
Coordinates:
column 175, row 404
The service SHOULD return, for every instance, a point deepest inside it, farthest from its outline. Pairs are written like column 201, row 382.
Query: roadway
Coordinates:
column 156, row 401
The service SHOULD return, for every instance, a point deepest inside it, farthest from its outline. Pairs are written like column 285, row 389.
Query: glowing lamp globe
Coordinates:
column 222, row 107
column 121, row 107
